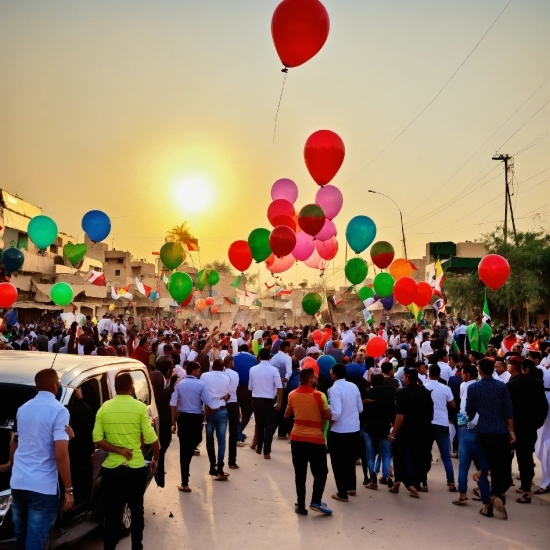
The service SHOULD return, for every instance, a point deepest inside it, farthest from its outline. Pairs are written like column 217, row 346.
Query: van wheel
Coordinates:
column 126, row 524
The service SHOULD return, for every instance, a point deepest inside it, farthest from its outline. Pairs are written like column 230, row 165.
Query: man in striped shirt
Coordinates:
column 310, row 410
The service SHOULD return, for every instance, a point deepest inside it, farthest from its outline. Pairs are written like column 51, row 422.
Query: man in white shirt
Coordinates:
column 283, row 363
column 501, row 371
column 104, row 324
column 219, row 389
column 343, row 437
column 441, row 397
column 443, row 364
column 346, row 336
column 265, row 382
column 232, row 411
column 236, row 341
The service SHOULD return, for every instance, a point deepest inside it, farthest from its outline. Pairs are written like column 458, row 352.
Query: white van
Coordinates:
column 95, row 378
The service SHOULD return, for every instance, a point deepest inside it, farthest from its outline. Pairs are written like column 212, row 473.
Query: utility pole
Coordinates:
column 507, row 159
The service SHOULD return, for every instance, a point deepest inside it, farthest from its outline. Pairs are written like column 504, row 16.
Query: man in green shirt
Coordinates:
column 121, row 425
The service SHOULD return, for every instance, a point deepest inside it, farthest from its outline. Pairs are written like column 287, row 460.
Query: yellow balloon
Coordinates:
column 111, row 307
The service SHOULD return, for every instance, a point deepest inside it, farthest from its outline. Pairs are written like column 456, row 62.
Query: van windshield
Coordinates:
column 12, row 396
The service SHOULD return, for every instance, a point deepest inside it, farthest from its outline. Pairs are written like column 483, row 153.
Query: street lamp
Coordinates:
column 400, row 215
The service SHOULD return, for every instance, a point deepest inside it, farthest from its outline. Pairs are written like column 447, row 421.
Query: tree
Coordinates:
column 221, row 266
column 464, row 293
column 182, row 234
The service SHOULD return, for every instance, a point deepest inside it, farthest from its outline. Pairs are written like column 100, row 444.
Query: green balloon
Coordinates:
column 258, row 241
column 42, row 231
column 171, row 255
column 365, row 293
column 383, row 285
column 311, row 303
column 75, row 252
column 202, row 279
column 213, row 278
column 180, row 286
column 61, row 294
column 356, row 270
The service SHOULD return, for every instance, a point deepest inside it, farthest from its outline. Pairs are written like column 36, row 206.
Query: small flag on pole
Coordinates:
column 237, row 282
column 144, row 289
column 486, row 312
column 96, row 278
column 282, row 292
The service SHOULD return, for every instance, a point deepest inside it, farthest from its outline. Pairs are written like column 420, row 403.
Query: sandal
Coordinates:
column 395, row 488
column 372, row 486
column 477, row 494
column 413, row 492
column 452, row 487
column 488, row 513
column 499, row 506
column 460, row 501
column 523, row 500
column 352, row 493
column 542, row 491
column 184, row 489
column 424, row 489
column 336, row 497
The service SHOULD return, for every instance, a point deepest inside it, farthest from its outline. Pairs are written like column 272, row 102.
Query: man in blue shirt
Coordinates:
column 490, row 399
column 242, row 363
column 187, row 401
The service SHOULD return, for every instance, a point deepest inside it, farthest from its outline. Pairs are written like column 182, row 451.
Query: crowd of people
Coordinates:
column 480, row 401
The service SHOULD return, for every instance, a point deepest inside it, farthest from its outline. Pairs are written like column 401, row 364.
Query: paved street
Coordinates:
column 255, row 509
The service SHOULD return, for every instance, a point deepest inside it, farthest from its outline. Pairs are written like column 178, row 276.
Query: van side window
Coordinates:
column 104, row 382
column 141, row 387
column 91, row 393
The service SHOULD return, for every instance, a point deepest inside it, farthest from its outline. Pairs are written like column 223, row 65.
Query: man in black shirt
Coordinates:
column 411, row 434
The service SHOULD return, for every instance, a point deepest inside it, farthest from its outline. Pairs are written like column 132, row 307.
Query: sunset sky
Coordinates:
column 125, row 105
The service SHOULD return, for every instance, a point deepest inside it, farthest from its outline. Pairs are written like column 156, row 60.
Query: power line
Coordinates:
column 436, row 95
column 540, row 139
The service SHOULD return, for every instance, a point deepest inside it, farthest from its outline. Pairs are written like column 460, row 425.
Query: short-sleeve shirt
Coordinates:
column 40, row 423
column 122, row 422
column 441, row 395
column 308, row 406
column 415, row 403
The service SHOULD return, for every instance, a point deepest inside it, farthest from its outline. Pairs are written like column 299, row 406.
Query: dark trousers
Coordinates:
column 120, row 486
column 315, row 455
column 165, row 438
column 497, row 450
column 525, row 447
column 344, row 450
column 281, row 423
column 233, row 420
column 264, row 413
column 412, row 459
column 244, row 399
column 190, row 436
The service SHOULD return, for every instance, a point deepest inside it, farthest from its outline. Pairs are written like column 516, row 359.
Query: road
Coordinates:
column 255, row 509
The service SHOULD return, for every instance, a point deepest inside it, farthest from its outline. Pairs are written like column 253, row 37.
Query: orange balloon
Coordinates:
column 201, row 304
column 310, row 363
column 401, row 268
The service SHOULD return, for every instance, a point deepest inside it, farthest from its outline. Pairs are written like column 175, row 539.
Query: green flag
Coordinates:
column 486, row 312
column 237, row 282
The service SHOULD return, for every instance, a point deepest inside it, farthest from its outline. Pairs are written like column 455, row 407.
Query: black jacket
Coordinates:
column 380, row 414
column 528, row 402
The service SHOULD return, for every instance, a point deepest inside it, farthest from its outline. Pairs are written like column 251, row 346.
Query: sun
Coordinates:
column 193, row 193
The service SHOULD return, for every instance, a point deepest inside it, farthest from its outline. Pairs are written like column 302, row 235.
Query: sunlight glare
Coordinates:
column 193, row 194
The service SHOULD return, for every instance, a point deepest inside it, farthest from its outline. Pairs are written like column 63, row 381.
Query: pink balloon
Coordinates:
column 284, row 189
column 304, row 246
column 327, row 249
column 328, row 231
column 330, row 199
column 316, row 262
column 282, row 264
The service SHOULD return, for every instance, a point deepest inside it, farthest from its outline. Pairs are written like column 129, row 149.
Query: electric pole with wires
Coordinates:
column 508, row 163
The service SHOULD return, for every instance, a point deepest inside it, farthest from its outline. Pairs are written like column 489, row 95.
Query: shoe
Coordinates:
column 221, row 477
column 320, row 508
column 336, row 497
column 234, row 466
column 196, row 452
column 301, row 511
column 241, row 443
column 382, row 481
column 282, row 437
column 213, row 472
column 390, row 482
column 267, row 457
column 488, row 513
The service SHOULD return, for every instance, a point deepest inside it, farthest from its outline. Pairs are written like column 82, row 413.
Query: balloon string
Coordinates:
column 279, row 106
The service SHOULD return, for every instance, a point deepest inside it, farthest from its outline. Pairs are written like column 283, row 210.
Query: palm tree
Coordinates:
column 182, row 234
column 221, row 266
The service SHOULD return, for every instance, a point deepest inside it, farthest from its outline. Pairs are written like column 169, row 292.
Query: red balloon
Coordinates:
column 376, row 347
column 311, row 219
column 404, row 290
column 299, row 29
column 324, row 153
column 327, row 249
column 494, row 271
column 214, row 309
column 209, row 301
column 317, row 336
column 282, row 241
column 310, row 363
column 240, row 255
column 424, row 294
column 8, row 295
column 281, row 212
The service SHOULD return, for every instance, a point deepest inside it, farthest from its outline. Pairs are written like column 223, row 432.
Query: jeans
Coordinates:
column 33, row 515
column 470, row 450
column 122, row 486
column 343, row 449
column 440, row 434
column 377, row 446
column 497, row 449
column 217, row 421
column 233, row 421
column 190, row 435
column 315, row 455
column 264, row 413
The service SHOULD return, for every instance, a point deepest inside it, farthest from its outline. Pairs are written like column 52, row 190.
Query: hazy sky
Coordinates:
column 109, row 104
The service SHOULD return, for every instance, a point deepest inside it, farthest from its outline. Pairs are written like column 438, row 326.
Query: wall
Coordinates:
column 470, row 250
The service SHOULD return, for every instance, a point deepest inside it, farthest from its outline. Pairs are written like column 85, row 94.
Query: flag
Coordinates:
column 415, row 311
column 164, row 279
column 245, row 298
column 144, row 289
column 338, row 302
column 122, row 293
column 154, row 295
column 280, row 291
column 231, row 301
column 236, row 282
column 155, row 253
column 439, row 304
column 349, row 289
column 269, row 287
column 437, row 276
column 114, row 293
column 486, row 312
column 288, row 305
column 367, row 314
column 96, row 278
column 193, row 245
